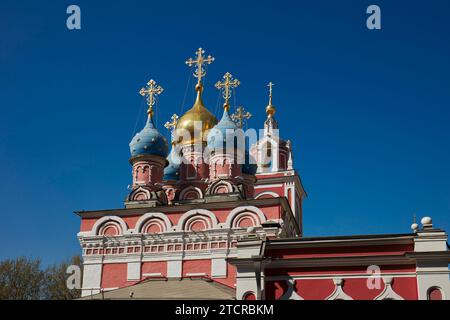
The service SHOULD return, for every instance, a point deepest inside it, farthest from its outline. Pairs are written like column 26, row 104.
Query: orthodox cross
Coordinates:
column 270, row 85
column 270, row 109
column 151, row 91
column 171, row 125
column 240, row 115
column 201, row 60
column 227, row 84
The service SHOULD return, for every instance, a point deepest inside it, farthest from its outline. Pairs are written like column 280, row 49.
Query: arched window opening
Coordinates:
column 434, row 293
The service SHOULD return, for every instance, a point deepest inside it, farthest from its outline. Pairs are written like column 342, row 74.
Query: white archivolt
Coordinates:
column 267, row 193
column 200, row 212
column 142, row 220
column 250, row 209
column 102, row 220
column 191, row 189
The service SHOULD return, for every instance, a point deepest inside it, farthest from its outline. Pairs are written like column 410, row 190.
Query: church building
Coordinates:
column 216, row 213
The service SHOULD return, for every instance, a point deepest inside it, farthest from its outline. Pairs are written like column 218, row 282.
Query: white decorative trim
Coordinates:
column 191, row 213
column 290, row 293
column 191, row 188
column 152, row 274
column 252, row 209
column 143, row 219
column 267, row 193
column 102, row 220
column 260, row 186
column 139, row 190
column 388, row 293
column 343, row 275
column 222, row 183
column 195, row 274
column 338, row 293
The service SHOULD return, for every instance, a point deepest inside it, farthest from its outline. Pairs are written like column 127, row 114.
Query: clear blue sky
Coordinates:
column 368, row 111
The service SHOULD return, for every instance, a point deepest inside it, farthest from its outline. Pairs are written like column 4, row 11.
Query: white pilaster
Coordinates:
column 432, row 263
column 134, row 270
column 250, row 274
column 218, row 268
column 92, row 278
column 174, row 268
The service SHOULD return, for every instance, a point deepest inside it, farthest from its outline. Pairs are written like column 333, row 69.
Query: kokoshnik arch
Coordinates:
column 229, row 216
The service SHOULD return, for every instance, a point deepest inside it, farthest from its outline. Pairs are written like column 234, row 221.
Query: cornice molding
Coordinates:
column 124, row 212
column 340, row 241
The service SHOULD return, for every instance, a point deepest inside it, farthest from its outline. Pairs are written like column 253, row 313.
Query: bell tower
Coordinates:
column 275, row 174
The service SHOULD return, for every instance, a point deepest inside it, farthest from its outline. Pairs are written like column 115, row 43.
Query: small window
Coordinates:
column 249, row 296
column 267, row 155
column 434, row 293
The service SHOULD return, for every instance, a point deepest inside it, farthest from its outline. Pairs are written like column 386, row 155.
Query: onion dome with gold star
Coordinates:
column 149, row 141
column 198, row 113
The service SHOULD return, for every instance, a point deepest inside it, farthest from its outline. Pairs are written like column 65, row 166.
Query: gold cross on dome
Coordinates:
column 151, row 91
column 270, row 85
column 201, row 60
column 227, row 84
column 171, row 125
column 240, row 115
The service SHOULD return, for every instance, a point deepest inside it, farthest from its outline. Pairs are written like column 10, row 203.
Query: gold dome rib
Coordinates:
column 198, row 113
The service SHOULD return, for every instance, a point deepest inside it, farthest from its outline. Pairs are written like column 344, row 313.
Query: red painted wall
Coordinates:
column 154, row 267
column 197, row 266
column 114, row 275
column 320, row 289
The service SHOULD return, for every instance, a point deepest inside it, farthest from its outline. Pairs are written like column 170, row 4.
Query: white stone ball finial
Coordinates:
column 427, row 222
column 251, row 230
column 414, row 227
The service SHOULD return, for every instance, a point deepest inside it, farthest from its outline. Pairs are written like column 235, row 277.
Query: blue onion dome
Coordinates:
column 217, row 136
column 149, row 142
column 172, row 171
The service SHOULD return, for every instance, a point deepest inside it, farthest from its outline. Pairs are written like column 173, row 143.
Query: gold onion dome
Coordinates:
column 270, row 110
column 198, row 113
